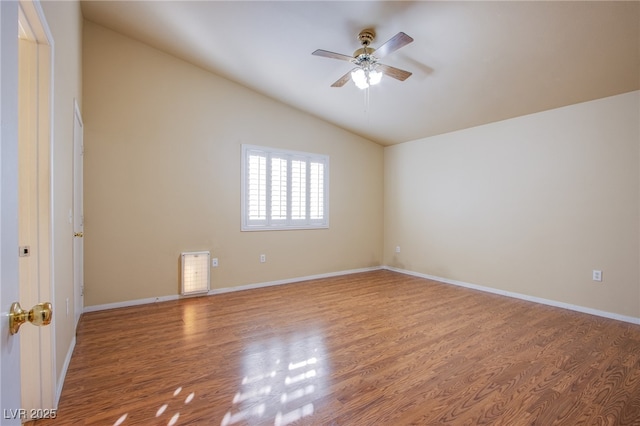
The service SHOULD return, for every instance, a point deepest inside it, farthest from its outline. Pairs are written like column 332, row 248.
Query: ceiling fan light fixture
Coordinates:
column 374, row 77
column 364, row 78
column 359, row 78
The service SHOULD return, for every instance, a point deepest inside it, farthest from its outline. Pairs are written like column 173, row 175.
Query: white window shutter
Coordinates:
column 283, row 189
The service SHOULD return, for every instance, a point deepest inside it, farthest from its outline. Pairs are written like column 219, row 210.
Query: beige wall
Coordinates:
column 529, row 205
column 162, row 176
column 65, row 22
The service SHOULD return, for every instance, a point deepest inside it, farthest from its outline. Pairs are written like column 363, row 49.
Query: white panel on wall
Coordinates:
column 195, row 272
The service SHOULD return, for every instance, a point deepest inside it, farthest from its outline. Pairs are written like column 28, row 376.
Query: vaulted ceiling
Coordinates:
column 472, row 62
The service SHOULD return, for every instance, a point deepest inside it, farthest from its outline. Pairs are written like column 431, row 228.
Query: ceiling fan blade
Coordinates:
column 393, row 44
column 393, row 72
column 342, row 80
column 333, row 55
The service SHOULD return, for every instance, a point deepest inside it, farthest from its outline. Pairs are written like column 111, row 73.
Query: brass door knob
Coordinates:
column 78, row 234
column 38, row 315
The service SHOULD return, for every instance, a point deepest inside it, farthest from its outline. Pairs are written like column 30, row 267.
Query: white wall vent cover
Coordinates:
column 195, row 272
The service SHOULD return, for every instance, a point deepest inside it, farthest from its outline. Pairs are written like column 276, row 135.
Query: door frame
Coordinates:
column 39, row 383
column 78, row 213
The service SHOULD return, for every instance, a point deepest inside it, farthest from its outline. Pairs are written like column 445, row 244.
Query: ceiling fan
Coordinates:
column 368, row 71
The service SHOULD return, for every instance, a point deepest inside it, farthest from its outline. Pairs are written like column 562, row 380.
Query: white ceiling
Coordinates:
column 472, row 62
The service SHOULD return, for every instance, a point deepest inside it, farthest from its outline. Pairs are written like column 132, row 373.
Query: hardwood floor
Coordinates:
column 377, row 348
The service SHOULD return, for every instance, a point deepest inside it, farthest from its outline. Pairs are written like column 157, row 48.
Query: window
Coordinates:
column 284, row 189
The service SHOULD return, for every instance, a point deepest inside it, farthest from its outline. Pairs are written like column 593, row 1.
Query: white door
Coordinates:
column 78, row 215
column 10, row 388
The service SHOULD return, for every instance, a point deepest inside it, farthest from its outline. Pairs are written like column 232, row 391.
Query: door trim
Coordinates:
column 31, row 15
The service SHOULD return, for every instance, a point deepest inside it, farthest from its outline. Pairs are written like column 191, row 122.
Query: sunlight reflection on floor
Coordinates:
column 280, row 380
column 121, row 419
column 161, row 410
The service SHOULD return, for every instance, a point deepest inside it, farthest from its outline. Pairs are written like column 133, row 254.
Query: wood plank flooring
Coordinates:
column 376, row 348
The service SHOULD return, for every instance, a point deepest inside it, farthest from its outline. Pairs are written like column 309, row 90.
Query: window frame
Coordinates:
column 269, row 223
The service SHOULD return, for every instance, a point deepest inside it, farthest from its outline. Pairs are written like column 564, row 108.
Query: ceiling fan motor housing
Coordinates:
column 363, row 56
column 366, row 37
column 362, row 52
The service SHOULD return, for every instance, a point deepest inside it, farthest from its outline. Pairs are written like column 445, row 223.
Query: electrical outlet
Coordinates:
column 263, row 258
column 397, row 249
column 597, row 275
column 214, row 262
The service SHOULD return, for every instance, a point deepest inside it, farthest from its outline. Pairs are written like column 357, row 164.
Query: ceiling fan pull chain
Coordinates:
column 366, row 102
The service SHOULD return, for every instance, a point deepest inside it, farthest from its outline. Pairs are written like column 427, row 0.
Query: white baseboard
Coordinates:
column 128, row 303
column 540, row 300
column 137, row 302
column 293, row 280
column 605, row 314
column 63, row 373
